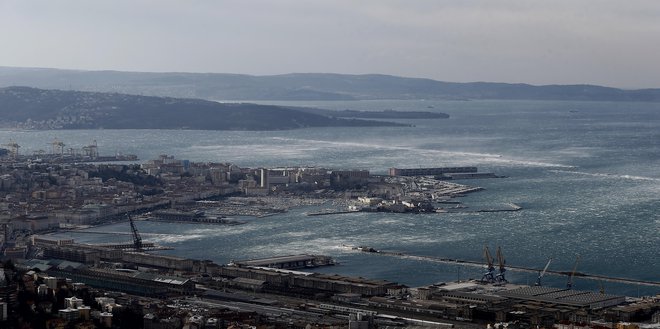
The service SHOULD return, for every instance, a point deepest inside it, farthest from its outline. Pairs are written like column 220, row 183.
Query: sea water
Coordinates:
column 586, row 173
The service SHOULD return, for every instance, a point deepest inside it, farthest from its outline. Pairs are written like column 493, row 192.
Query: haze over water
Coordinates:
column 586, row 174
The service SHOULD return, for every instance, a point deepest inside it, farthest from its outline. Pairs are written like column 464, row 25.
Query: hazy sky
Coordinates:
column 614, row 43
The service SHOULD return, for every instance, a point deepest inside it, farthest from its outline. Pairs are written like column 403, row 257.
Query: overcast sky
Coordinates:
column 613, row 43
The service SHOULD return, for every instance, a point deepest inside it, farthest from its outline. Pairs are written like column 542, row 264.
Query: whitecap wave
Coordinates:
column 175, row 238
column 608, row 175
column 475, row 156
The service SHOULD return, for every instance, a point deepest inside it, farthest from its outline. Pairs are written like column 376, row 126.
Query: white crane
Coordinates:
column 569, row 283
column 538, row 280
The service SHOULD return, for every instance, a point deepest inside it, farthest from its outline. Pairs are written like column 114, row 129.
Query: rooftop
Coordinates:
column 562, row 296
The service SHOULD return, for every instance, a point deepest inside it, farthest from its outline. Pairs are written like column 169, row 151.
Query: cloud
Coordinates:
column 590, row 41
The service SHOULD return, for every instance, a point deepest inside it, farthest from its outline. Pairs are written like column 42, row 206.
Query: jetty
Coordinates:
column 509, row 267
column 288, row 262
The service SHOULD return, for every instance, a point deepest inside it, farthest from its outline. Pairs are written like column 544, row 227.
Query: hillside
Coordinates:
column 307, row 86
column 31, row 108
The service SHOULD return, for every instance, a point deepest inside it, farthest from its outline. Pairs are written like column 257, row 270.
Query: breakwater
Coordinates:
column 462, row 262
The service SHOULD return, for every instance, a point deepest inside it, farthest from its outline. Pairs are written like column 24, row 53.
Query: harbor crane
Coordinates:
column 541, row 274
column 500, row 261
column 137, row 239
column 91, row 150
column 569, row 283
column 13, row 147
column 58, row 146
column 490, row 268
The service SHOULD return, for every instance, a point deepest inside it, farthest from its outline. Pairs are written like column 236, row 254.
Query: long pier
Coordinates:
column 512, row 207
column 114, row 233
column 512, row 267
column 146, row 246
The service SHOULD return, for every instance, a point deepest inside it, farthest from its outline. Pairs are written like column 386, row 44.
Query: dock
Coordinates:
column 457, row 209
column 289, row 262
column 205, row 220
column 512, row 267
column 146, row 246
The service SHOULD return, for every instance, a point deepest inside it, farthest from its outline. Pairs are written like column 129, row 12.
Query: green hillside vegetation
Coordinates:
column 30, row 108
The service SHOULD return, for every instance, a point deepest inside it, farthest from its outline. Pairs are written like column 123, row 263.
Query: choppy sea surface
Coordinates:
column 586, row 173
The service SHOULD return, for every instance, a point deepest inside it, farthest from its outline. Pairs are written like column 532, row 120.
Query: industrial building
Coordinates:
column 312, row 283
column 564, row 297
column 158, row 261
column 72, row 254
column 139, row 283
column 535, row 305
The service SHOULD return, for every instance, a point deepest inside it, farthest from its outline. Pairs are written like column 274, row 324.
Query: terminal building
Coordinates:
column 139, row 283
column 564, row 297
column 535, row 305
column 311, row 283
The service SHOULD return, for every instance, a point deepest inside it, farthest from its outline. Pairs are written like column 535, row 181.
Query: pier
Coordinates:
column 512, row 268
column 289, row 262
column 146, row 246
column 462, row 209
column 202, row 220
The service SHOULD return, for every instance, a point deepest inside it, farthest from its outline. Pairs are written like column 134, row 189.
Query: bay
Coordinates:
column 586, row 173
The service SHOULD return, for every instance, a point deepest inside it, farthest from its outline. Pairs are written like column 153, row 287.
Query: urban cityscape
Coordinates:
column 335, row 164
column 53, row 282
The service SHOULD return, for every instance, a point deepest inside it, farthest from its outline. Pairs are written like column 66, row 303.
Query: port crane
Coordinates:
column 569, row 283
column 58, row 146
column 91, row 150
column 490, row 268
column 541, row 274
column 500, row 261
column 137, row 239
column 13, row 147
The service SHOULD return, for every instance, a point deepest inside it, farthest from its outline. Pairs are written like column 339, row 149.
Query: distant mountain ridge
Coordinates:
column 32, row 108
column 304, row 86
